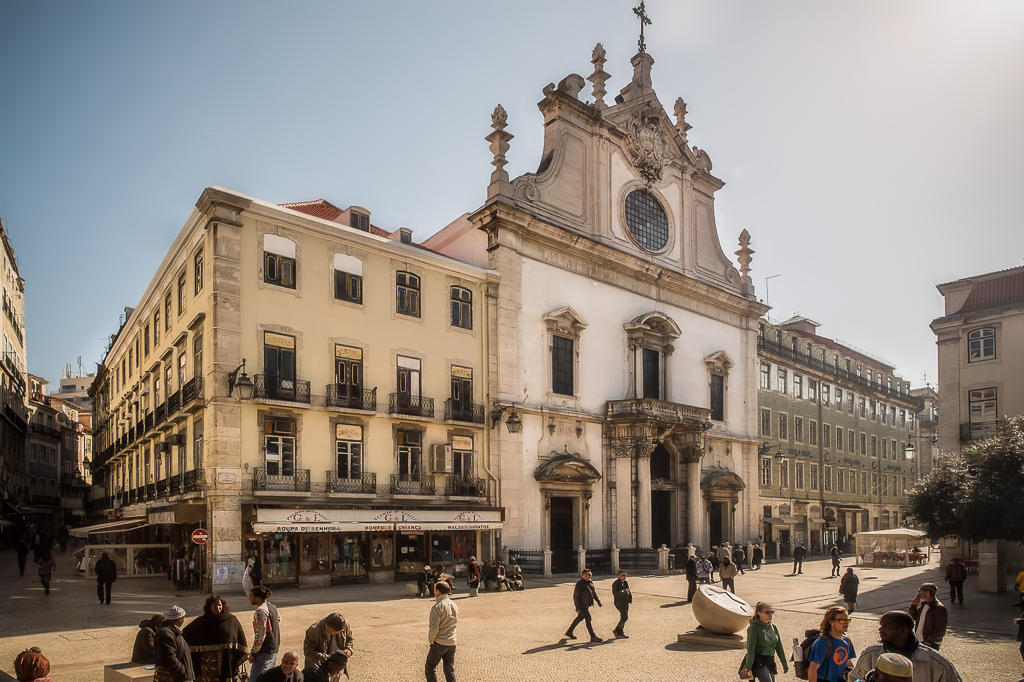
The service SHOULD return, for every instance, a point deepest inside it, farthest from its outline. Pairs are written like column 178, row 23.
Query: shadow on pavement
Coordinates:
column 681, row 602
column 702, row 648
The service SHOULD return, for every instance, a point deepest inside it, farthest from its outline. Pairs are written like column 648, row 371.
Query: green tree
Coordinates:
column 978, row 494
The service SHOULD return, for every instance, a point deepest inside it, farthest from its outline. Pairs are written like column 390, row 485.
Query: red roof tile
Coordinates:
column 321, row 208
column 996, row 292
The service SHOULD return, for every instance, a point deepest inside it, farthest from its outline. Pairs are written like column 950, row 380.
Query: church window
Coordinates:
column 562, row 365
column 646, row 219
column 717, row 397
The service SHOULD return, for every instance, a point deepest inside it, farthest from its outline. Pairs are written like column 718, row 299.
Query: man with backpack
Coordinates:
column 831, row 653
column 896, row 635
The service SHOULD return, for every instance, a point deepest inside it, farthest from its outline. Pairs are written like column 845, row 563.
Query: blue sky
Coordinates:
column 872, row 149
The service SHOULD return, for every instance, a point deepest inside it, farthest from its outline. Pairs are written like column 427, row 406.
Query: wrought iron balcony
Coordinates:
column 160, row 414
column 190, row 481
column 464, row 486
column 279, row 388
column 161, row 488
column 174, row 485
column 149, row 421
column 192, row 392
column 414, row 405
column 297, row 482
column 458, row 411
column 173, row 403
column 341, row 395
column 367, row 483
column 402, row 484
column 661, row 410
column 151, row 491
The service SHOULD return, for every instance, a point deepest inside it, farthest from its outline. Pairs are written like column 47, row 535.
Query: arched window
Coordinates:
column 348, row 278
column 981, row 344
column 462, row 307
column 279, row 261
column 408, row 293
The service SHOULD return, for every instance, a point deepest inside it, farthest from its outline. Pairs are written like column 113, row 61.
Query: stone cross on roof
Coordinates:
column 641, row 12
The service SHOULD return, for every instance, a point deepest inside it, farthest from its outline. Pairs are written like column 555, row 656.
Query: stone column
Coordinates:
column 615, row 559
column 547, row 562
column 581, row 559
column 643, row 501
column 990, row 570
column 693, row 504
column 623, row 503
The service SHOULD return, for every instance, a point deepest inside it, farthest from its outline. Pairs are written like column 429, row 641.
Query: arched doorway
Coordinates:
column 566, row 486
column 721, row 489
column 662, row 494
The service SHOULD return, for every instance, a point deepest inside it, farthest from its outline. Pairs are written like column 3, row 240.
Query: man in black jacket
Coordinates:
column 106, row 574
column 799, row 554
column 173, row 657
column 144, row 651
column 583, row 597
column 691, row 577
column 622, row 597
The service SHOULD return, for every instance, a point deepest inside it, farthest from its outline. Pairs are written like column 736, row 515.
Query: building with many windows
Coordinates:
column 15, row 481
column 981, row 365
column 622, row 338
column 307, row 388
column 835, row 426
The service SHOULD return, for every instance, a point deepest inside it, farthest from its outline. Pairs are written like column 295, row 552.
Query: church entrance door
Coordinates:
column 562, row 559
column 717, row 522
column 661, row 518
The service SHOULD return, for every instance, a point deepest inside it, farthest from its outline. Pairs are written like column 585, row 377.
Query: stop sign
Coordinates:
column 200, row 536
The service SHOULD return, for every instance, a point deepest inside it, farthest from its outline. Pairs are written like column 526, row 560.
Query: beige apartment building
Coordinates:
column 307, row 388
column 981, row 364
column 836, row 428
column 16, row 483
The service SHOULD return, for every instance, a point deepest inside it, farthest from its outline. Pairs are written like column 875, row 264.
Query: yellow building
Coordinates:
column 16, row 483
column 307, row 388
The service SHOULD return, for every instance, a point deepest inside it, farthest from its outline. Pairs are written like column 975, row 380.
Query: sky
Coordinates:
column 873, row 149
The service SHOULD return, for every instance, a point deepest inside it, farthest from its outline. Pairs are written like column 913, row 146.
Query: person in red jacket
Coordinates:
column 956, row 574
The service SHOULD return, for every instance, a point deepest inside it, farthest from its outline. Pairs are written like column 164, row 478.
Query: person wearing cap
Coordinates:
column 326, row 670
column 891, row 668
column 425, row 581
column 173, row 657
column 896, row 635
column 930, row 616
column 324, row 638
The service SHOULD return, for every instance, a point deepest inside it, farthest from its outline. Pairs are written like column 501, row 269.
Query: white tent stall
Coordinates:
column 892, row 547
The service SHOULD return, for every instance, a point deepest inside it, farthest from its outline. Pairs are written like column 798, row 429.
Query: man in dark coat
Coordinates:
column 106, row 574
column 144, row 651
column 956, row 574
column 173, row 657
column 848, row 587
column 930, row 616
column 583, row 597
column 288, row 671
column 799, row 554
column 21, row 549
column 622, row 597
column 323, row 639
column 757, row 556
column 691, row 577
column 739, row 557
column 326, row 670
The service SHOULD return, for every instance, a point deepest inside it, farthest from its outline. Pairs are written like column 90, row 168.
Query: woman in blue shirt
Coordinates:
column 832, row 652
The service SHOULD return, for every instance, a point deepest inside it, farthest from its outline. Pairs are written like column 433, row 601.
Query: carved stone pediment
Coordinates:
column 566, row 467
column 565, row 321
column 722, row 480
column 719, row 363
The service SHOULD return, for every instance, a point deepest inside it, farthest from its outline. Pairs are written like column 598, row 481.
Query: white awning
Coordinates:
column 121, row 525
column 448, row 525
column 330, row 527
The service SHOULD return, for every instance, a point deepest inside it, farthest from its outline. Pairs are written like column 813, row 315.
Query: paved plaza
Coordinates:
column 507, row 636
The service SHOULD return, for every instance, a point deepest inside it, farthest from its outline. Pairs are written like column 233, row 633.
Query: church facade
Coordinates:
column 622, row 340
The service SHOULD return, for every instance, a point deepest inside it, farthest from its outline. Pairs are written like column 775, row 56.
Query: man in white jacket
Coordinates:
column 444, row 617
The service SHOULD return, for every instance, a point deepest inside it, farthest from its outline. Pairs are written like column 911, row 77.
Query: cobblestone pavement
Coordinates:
column 507, row 636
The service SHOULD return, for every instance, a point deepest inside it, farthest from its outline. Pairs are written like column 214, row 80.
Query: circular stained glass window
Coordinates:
column 646, row 220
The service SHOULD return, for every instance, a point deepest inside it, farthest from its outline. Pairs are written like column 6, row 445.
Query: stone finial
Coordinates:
column 681, row 125
column 499, row 140
column 641, row 83
column 600, row 76
column 743, row 254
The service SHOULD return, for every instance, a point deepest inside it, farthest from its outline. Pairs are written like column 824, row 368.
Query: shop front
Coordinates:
column 331, row 546
column 137, row 547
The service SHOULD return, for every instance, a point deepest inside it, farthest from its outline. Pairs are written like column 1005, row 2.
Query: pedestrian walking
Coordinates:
column 106, row 574
column 712, row 558
column 444, row 618
column 144, row 651
column 691, row 577
column 704, row 570
column 739, row 557
column 173, row 657
column 47, row 567
column 930, row 616
column 217, row 642
column 266, row 629
column 31, row 666
column 326, row 670
column 848, row 587
column 727, row 572
column 288, row 671
column 956, row 574
column 21, row 550
column 473, row 577
column 764, row 643
column 832, row 651
column 328, row 636
column 836, row 561
column 896, row 636
column 799, row 554
column 583, row 597
column 622, row 597
column 757, row 556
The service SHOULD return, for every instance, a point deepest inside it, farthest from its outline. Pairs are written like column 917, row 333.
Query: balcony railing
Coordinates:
column 367, row 483
column 173, row 403
column 657, row 409
column 173, row 485
column 415, row 405
column 298, row 482
column 161, row 414
column 969, row 432
column 190, row 481
column 340, row 395
column 161, row 488
column 463, row 486
column 279, row 388
column 463, row 412
column 402, row 484
column 149, row 420
column 192, row 392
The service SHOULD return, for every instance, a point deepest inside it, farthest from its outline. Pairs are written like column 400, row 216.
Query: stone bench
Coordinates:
column 127, row 672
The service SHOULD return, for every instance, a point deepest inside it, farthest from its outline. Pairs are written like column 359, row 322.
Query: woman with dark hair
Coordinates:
column 217, row 642
column 763, row 643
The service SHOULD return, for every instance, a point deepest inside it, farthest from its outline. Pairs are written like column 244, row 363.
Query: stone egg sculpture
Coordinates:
column 720, row 611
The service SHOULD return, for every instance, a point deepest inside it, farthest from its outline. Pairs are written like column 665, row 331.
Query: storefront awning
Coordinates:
column 444, row 525
column 120, row 525
column 330, row 527
column 850, row 507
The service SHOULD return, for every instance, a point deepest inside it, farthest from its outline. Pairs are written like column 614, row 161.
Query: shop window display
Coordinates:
column 349, row 557
column 452, row 549
column 412, row 553
column 279, row 559
column 316, row 553
column 383, row 556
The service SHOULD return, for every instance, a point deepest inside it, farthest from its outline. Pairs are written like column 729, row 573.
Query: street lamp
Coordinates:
column 513, row 423
column 240, row 381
